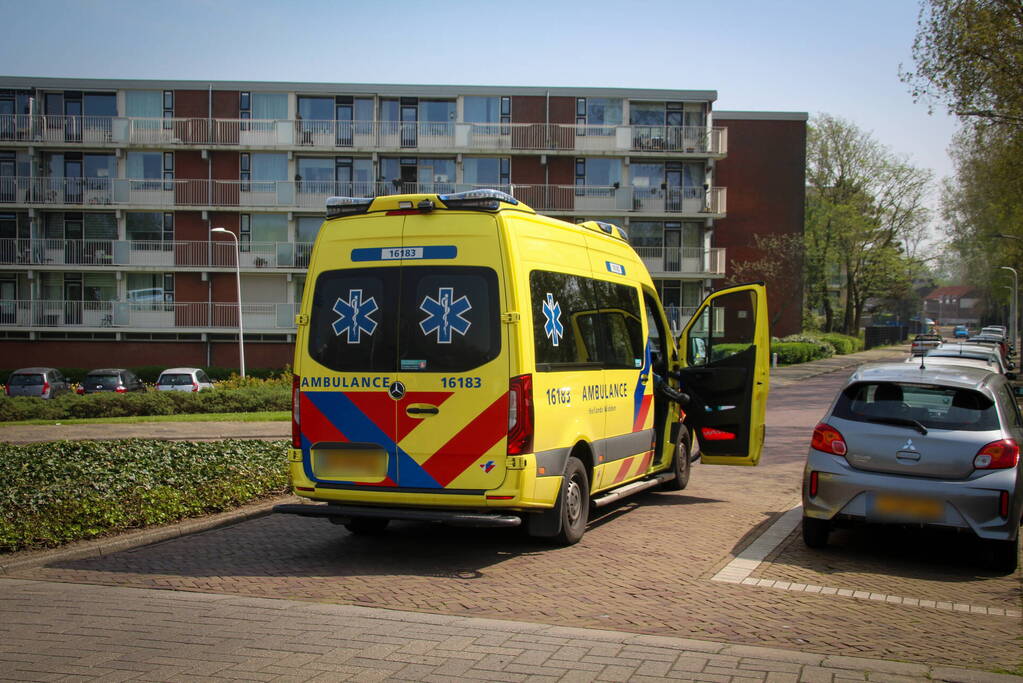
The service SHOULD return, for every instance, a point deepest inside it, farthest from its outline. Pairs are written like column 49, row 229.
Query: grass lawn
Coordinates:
column 276, row 416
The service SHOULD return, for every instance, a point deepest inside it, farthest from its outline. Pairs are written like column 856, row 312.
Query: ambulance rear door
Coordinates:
column 452, row 381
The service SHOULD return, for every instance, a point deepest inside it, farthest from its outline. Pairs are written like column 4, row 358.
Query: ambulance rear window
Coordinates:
column 407, row 319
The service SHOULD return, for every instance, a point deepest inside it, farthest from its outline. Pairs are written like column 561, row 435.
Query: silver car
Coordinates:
column 40, row 382
column 937, row 446
column 183, row 379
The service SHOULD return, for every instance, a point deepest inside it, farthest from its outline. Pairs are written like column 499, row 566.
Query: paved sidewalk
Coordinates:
column 52, row 631
column 790, row 374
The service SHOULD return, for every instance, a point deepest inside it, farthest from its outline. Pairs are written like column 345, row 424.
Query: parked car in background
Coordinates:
column 117, row 380
column 41, row 382
column 922, row 343
column 936, row 447
column 989, row 353
column 990, row 364
column 993, row 340
column 183, row 379
column 995, row 329
column 961, row 332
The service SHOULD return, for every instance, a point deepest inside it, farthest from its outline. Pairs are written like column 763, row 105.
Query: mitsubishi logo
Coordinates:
column 908, row 446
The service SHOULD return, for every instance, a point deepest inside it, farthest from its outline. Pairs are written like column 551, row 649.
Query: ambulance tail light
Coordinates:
column 520, row 415
column 296, row 431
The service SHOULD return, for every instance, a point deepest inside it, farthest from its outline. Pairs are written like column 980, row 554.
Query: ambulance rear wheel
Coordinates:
column 366, row 526
column 573, row 503
column 681, row 465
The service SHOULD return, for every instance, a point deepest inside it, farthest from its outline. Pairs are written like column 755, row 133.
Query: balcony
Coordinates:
column 683, row 261
column 120, row 131
column 153, row 253
column 95, row 193
column 135, row 316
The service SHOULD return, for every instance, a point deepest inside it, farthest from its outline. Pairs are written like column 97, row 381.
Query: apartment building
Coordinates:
column 109, row 190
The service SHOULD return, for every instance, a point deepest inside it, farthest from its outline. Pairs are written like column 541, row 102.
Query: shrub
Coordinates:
column 843, row 343
column 826, row 349
column 792, row 352
column 58, row 492
column 251, row 396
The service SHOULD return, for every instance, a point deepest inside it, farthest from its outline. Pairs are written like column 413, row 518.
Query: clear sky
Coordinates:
column 832, row 56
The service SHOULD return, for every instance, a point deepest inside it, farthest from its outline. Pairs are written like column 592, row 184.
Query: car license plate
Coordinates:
column 907, row 508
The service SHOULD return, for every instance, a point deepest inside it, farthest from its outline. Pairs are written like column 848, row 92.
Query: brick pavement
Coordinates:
column 643, row 567
column 58, row 631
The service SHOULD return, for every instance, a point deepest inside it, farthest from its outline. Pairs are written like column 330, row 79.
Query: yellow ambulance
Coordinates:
column 462, row 359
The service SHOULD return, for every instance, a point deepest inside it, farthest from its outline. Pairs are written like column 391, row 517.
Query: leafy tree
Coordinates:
column 863, row 205
column 778, row 262
column 969, row 56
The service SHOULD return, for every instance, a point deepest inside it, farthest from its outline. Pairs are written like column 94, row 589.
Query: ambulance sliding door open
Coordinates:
column 726, row 349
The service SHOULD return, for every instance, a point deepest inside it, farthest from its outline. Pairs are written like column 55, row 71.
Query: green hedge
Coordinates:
column 791, row 353
column 255, row 396
column 843, row 343
column 150, row 373
column 64, row 491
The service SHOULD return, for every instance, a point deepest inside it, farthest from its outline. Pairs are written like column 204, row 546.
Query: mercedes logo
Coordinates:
column 397, row 391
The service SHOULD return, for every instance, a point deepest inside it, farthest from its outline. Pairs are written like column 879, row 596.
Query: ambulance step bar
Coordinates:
column 452, row 517
column 630, row 489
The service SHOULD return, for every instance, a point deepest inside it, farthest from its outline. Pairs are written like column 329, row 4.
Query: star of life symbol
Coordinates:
column 355, row 316
column 444, row 315
column 553, row 327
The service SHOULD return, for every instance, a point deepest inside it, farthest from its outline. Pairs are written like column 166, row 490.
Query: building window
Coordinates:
column 168, row 170
column 245, row 174
column 245, row 233
column 493, row 172
column 168, row 109
column 245, row 109
column 597, row 177
column 146, row 167
column 599, row 115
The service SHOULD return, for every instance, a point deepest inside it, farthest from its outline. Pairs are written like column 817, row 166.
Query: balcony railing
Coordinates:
column 302, row 194
column 681, row 261
column 374, row 135
column 146, row 315
column 155, row 253
column 678, row 316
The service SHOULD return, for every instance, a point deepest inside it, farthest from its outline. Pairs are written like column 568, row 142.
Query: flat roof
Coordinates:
column 761, row 115
column 404, row 89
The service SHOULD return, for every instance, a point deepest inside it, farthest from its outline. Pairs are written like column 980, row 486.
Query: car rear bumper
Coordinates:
column 450, row 517
column 973, row 504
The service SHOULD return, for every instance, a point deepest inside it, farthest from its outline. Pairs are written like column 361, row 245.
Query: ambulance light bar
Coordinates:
column 347, row 206
column 487, row 200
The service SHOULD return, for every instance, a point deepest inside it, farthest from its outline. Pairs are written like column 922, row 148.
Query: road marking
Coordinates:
column 745, row 563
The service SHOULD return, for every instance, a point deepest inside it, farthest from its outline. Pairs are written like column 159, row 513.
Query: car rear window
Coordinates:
column 25, row 380
column 933, row 406
column 408, row 319
column 103, row 380
column 175, row 379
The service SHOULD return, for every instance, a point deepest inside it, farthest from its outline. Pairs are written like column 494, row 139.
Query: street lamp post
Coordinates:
column 238, row 278
column 1015, row 303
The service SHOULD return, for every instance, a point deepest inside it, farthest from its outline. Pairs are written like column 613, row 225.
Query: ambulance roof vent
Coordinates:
column 487, row 200
column 606, row 228
column 347, row 206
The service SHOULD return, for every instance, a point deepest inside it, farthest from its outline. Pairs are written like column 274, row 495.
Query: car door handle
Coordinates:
column 422, row 410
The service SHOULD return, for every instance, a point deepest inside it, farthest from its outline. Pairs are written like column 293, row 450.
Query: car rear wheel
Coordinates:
column 815, row 532
column 1003, row 556
column 573, row 503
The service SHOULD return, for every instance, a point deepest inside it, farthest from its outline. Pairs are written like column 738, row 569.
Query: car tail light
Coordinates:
column 828, row 439
column 46, row 388
column 195, row 386
column 1003, row 505
column 997, row 455
column 296, row 431
column 520, row 415
column 80, row 391
column 121, row 390
column 814, row 483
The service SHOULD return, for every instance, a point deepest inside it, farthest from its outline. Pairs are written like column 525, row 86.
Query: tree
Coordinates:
column 969, row 56
column 778, row 262
column 863, row 205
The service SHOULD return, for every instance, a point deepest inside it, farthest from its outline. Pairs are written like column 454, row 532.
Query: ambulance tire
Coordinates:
column 681, row 464
column 573, row 503
column 366, row 526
